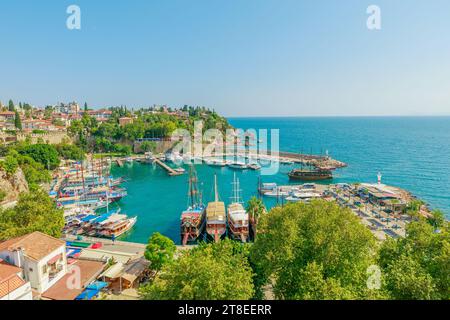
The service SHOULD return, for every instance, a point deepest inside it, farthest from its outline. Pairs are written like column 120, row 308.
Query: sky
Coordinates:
column 240, row 57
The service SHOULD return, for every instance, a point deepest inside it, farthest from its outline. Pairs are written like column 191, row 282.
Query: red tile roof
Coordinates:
column 9, row 285
column 9, row 280
column 36, row 245
column 89, row 271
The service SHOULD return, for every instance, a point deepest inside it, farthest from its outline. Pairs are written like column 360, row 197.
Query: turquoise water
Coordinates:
column 412, row 153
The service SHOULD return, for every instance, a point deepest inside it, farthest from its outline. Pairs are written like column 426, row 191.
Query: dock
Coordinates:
column 170, row 171
column 119, row 162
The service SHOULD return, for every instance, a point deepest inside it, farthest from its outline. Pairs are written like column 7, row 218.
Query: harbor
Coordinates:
column 130, row 198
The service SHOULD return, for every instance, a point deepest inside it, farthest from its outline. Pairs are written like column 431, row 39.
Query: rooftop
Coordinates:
column 36, row 245
column 9, row 280
column 89, row 271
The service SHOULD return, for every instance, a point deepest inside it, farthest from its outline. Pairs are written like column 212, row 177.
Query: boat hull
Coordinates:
column 191, row 226
column 310, row 176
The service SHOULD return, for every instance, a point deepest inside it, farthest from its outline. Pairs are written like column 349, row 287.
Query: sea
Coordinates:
column 410, row 152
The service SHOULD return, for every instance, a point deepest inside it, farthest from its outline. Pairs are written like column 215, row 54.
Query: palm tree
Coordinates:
column 255, row 207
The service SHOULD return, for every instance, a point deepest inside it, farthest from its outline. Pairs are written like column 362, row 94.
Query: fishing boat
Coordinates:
column 266, row 187
column 303, row 196
column 216, row 224
column 94, row 204
column 276, row 194
column 254, row 166
column 237, row 216
column 117, row 229
column 238, row 165
column 216, row 162
column 286, row 162
column 192, row 221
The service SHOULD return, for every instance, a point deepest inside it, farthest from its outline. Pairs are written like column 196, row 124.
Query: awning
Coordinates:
column 97, row 285
column 114, row 271
column 87, row 294
column 54, row 259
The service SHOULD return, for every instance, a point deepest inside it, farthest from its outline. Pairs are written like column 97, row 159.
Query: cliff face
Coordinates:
column 13, row 185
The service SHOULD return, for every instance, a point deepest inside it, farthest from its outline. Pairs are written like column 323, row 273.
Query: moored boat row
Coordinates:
column 213, row 221
column 81, row 191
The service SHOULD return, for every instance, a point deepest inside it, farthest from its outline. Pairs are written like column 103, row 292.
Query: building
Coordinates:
column 70, row 108
column 44, row 264
column 389, row 198
column 7, row 116
column 7, row 125
column 41, row 257
column 36, row 124
column 122, row 276
column 101, row 115
column 125, row 120
column 12, row 283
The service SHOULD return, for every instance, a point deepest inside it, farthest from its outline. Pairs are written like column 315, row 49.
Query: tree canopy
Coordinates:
column 35, row 211
column 417, row 266
column 159, row 251
column 45, row 154
column 218, row 271
column 314, row 251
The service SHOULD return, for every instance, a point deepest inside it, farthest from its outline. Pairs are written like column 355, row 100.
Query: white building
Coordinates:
column 12, row 284
column 41, row 257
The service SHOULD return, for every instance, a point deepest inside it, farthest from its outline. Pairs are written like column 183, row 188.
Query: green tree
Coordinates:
column 17, row 121
column 300, row 245
column 148, row 146
column 218, row 271
column 45, row 154
column 405, row 279
column 35, row 172
column 255, row 208
column 70, row 151
column 418, row 265
column 9, row 165
column 35, row 211
column 437, row 219
column 11, row 106
column 160, row 250
column 86, row 106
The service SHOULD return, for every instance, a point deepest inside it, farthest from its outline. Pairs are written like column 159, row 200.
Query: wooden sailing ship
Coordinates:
column 216, row 223
column 192, row 221
column 238, row 220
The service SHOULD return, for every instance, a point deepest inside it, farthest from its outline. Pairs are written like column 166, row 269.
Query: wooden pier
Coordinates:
column 119, row 162
column 170, row 171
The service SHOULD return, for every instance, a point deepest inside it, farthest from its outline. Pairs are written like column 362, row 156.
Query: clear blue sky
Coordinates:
column 242, row 57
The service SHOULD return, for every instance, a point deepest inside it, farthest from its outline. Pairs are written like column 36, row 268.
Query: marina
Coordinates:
column 144, row 189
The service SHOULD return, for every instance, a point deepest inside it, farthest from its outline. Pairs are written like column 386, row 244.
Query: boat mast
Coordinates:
column 216, row 194
column 82, row 179
column 107, row 195
column 236, row 190
column 193, row 187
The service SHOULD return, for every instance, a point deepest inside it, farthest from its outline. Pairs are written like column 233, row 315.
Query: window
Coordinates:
column 44, row 269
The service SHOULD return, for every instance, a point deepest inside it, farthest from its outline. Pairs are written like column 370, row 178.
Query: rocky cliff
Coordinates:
column 13, row 185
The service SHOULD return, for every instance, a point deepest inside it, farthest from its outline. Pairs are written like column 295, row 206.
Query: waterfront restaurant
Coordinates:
column 383, row 196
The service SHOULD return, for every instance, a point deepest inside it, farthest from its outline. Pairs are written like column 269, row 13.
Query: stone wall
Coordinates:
column 161, row 146
column 49, row 137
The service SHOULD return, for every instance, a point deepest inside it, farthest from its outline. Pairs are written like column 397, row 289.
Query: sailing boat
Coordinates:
column 237, row 216
column 192, row 221
column 216, row 224
column 311, row 173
